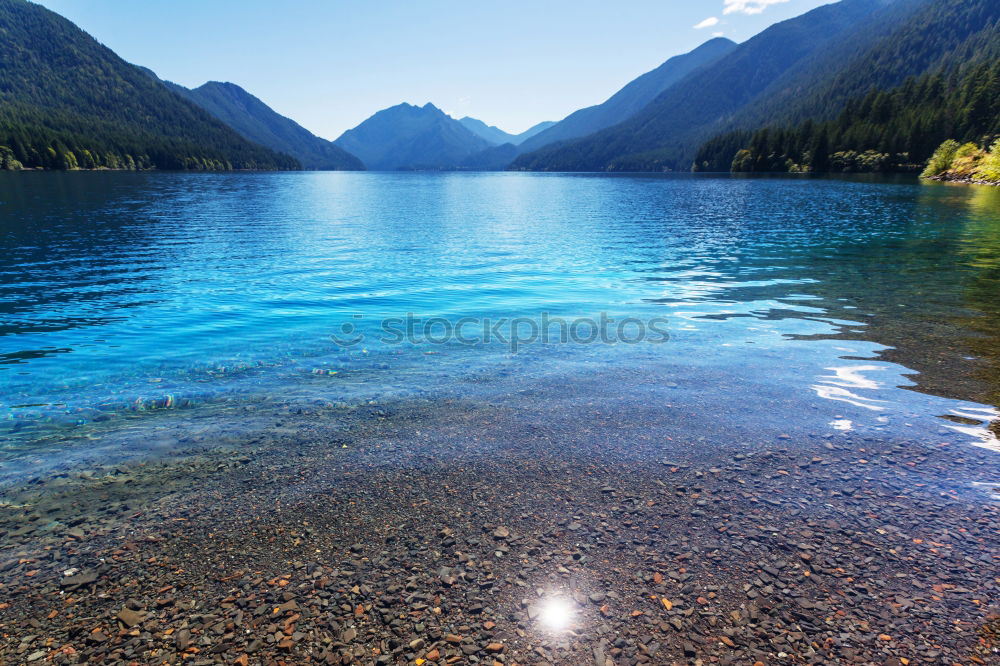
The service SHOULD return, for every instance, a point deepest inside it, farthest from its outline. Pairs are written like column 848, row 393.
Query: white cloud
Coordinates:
column 718, row 34
column 748, row 6
column 707, row 23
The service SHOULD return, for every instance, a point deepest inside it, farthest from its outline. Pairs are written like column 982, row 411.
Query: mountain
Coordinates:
column 932, row 77
column 620, row 106
column 491, row 133
column 66, row 101
column 411, row 137
column 904, row 38
column 667, row 132
column 533, row 130
column 633, row 97
column 259, row 123
column 494, row 158
column 497, row 157
column 497, row 136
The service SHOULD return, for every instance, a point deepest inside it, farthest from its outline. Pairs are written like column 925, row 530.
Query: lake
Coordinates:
column 755, row 309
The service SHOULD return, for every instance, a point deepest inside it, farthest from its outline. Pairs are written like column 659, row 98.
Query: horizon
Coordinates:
column 495, row 81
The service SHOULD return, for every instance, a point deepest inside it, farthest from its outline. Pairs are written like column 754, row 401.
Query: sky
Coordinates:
column 329, row 64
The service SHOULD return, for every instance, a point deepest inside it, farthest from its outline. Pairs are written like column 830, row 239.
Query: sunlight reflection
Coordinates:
column 843, row 395
column 556, row 614
column 981, row 435
column 836, row 387
column 851, row 376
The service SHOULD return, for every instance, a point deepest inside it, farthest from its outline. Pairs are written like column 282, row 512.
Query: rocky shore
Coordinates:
column 465, row 534
column 968, row 180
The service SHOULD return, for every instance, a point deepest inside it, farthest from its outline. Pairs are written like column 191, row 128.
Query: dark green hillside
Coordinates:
column 66, row 101
column 891, row 127
column 884, row 131
column 913, row 37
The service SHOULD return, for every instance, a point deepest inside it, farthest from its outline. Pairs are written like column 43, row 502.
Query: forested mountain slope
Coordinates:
column 258, row 122
column 66, row 101
column 667, row 132
column 934, row 77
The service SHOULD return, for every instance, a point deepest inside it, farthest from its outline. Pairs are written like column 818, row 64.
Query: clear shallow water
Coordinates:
column 811, row 305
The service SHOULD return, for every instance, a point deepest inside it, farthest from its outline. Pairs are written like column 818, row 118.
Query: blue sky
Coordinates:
column 329, row 64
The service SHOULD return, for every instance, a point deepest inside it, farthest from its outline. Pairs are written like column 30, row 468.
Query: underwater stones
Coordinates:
column 130, row 617
column 314, row 551
column 79, row 580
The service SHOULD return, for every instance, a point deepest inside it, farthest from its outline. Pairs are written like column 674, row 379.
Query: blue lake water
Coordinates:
column 811, row 305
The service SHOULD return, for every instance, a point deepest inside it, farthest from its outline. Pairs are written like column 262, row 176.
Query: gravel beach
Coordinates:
column 470, row 533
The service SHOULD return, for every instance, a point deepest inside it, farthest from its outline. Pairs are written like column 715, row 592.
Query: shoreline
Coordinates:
column 963, row 179
column 438, row 531
column 155, row 170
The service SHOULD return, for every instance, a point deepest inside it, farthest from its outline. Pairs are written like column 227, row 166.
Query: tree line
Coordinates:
column 46, row 139
column 68, row 102
column 886, row 130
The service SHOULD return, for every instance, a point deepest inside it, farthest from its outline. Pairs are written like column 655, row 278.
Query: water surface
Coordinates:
column 812, row 306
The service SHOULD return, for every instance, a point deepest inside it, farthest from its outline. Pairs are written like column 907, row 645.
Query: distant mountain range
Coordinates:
column 497, row 136
column 887, row 78
column 408, row 137
column 619, row 107
column 257, row 122
column 633, row 98
column 411, row 137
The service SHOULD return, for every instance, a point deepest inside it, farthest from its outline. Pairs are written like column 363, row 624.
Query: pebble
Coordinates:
column 312, row 554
